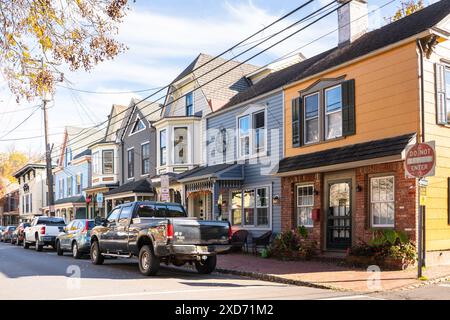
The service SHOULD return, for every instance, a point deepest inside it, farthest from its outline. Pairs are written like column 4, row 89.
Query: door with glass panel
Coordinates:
column 339, row 217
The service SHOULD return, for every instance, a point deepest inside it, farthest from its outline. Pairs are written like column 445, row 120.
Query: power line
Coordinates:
column 227, row 61
column 238, row 65
column 21, row 123
column 108, row 92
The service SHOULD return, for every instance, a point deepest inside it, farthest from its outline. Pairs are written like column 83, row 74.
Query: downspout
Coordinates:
column 422, row 136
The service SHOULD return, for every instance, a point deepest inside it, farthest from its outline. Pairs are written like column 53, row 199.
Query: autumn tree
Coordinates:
column 10, row 162
column 406, row 8
column 78, row 33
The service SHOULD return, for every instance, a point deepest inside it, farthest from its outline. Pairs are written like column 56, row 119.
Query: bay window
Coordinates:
column 312, row 118
column 162, row 148
column 305, row 204
column 145, row 158
column 333, row 112
column 180, row 145
column 108, row 162
column 382, row 201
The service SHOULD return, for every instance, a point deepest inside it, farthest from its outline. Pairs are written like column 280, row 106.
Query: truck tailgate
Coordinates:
column 53, row 230
column 200, row 232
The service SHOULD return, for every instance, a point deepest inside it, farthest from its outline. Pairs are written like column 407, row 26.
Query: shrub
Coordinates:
column 293, row 244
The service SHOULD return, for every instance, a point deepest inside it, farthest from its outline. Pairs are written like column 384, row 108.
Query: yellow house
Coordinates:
column 350, row 113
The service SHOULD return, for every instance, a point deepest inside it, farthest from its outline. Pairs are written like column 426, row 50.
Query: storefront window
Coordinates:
column 180, row 145
column 305, row 203
column 382, row 201
column 249, row 207
column 262, row 207
column 236, row 208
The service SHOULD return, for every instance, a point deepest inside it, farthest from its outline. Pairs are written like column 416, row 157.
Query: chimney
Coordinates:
column 353, row 20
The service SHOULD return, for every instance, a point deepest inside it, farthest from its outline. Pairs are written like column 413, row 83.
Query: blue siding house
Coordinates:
column 244, row 146
column 73, row 173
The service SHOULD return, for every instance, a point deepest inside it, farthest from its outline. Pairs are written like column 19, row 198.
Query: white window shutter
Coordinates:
column 441, row 99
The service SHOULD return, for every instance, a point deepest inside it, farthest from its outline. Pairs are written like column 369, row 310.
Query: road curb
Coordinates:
column 277, row 279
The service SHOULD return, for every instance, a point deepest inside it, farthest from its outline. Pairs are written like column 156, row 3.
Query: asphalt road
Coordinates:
column 27, row 274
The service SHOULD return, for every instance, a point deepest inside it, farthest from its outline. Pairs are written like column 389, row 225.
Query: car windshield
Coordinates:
column 160, row 211
column 52, row 221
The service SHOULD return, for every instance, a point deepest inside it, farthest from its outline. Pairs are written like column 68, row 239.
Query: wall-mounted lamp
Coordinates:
column 358, row 188
column 316, row 192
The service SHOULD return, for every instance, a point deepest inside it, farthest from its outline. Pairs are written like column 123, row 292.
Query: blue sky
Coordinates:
column 163, row 38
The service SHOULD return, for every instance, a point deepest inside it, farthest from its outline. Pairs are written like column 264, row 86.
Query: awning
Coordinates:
column 77, row 199
column 134, row 187
column 225, row 171
column 351, row 156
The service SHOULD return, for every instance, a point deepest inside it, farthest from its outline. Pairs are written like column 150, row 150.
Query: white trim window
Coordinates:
column 145, row 158
column 244, row 136
column 96, row 162
column 305, row 204
column 78, row 183
column 252, row 134
column 236, row 208
column 382, row 201
column 69, row 186
column 108, row 161
column 138, row 126
column 312, row 118
column 250, row 208
column 130, row 163
column 189, row 104
column 162, row 147
column 333, row 112
column 180, row 145
column 262, row 207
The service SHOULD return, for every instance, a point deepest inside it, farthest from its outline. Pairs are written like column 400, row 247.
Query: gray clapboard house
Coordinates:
column 137, row 153
column 244, row 143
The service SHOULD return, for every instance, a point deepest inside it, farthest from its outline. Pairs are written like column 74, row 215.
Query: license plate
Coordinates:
column 47, row 238
column 202, row 249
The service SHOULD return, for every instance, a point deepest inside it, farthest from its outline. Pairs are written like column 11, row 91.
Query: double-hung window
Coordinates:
column 180, row 144
column 189, row 104
column 108, row 162
column 78, row 183
column 443, row 93
column 333, row 112
column 305, row 204
column 95, row 162
column 130, row 157
column 145, row 158
column 252, row 135
column 244, row 136
column 69, row 186
column 236, row 208
column 262, row 206
column 382, row 201
column 312, row 118
column 249, row 207
column 162, row 148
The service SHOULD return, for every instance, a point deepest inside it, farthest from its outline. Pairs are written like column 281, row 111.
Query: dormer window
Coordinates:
column 138, row 126
column 189, row 104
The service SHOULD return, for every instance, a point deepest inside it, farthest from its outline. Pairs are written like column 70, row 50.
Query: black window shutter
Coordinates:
column 296, row 139
column 348, row 108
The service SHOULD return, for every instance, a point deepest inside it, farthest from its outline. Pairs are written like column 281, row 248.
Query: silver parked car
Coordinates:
column 76, row 238
column 7, row 233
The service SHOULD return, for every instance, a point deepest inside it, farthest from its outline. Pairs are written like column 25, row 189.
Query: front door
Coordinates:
column 339, row 216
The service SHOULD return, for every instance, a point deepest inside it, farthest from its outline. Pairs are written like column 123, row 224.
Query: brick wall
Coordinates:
column 405, row 204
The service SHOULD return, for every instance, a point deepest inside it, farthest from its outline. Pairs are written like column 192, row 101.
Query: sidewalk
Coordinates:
column 324, row 275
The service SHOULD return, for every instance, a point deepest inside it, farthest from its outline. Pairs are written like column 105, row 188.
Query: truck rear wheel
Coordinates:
column 96, row 256
column 148, row 262
column 206, row 266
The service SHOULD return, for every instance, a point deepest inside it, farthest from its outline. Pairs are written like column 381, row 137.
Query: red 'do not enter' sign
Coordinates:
column 420, row 160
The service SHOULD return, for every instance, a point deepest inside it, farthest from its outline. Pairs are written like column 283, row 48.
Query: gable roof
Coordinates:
column 115, row 120
column 206, row 68
column 390, row 34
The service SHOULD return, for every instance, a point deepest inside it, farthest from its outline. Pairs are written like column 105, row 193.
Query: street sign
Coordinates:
column 420, row 160
column 164, row 182
column 100, row 200
column 165, row 194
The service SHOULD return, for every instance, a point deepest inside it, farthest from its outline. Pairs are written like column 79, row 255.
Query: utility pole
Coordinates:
column 48, row 153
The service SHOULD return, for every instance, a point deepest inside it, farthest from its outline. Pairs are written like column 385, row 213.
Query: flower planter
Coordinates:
column 390, row 263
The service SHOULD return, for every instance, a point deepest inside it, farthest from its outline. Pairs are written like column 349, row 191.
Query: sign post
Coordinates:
column 420, row 162
column 165, row 191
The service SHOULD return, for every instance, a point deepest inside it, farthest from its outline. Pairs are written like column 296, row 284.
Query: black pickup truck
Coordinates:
column 158, row 232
